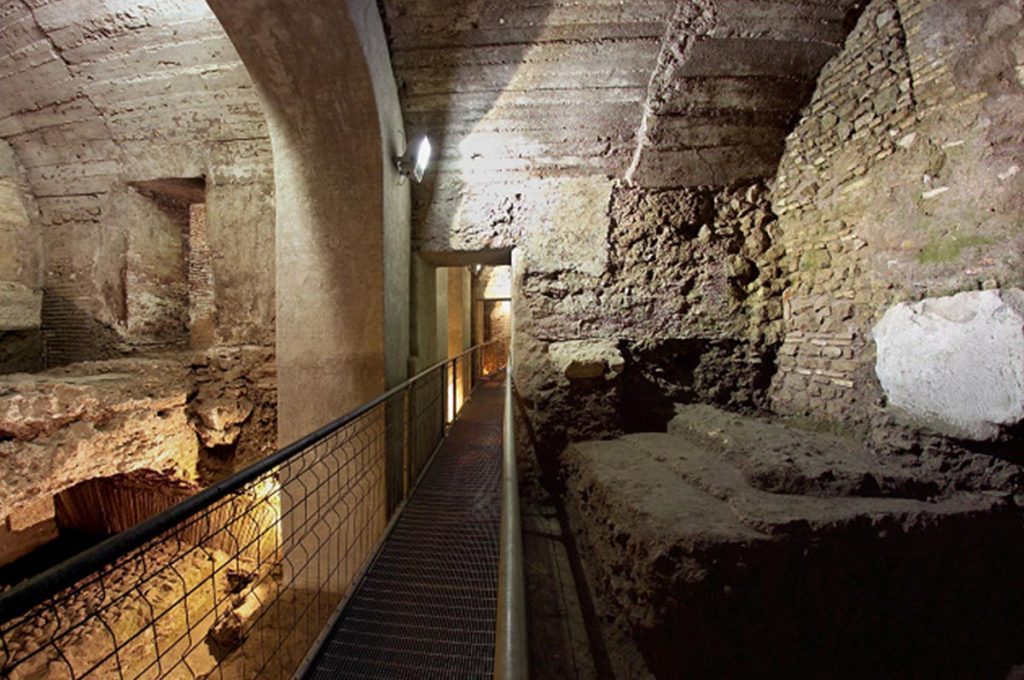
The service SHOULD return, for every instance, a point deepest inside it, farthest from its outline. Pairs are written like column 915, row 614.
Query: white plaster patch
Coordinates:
column 956, row 362
column 1010, row 172
column 934, row 193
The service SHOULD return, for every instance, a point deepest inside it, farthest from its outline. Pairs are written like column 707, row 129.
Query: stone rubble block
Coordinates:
column 956, row 363
column 583, row 359
column 89, row 420
column 809, row 552
column 20, row 307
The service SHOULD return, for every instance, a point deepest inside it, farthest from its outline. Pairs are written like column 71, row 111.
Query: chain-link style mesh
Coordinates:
column 241, row 582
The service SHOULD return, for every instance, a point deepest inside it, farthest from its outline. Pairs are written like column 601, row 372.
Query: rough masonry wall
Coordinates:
column 97, row 95
column 671, row 295
column 902, row 181
column 194, row 417
column 619, row 148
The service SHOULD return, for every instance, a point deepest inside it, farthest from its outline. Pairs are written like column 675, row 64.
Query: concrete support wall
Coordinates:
column 460, row 330
column 396, row 190
column 335, row 193
column 441, row 313
column 340, row 212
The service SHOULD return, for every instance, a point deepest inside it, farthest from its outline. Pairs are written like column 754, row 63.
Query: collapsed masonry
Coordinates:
column 186, row 419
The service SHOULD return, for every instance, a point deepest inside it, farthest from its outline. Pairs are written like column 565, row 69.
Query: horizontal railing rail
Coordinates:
column 238, row 580
column 510, row 660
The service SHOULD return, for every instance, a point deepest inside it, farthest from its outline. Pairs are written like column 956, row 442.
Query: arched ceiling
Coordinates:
column 663, row 92
column 92, row 90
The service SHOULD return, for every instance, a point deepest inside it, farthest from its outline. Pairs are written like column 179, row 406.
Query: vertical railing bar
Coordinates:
column 407, row 425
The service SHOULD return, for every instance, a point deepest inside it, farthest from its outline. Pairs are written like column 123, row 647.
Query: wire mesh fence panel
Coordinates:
column 153, row 611
column 242, row 582
column 426, row 419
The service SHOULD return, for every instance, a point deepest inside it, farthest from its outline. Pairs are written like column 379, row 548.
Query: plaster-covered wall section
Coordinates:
column 902, row 181
column 97, row 96
column 21, row 270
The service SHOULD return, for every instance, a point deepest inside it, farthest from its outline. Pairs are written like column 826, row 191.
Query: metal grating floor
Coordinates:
column 427, row 607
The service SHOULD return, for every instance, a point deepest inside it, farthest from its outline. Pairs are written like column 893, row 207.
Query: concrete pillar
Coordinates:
column 326, row 82
column 459, row 331
column 430, row 315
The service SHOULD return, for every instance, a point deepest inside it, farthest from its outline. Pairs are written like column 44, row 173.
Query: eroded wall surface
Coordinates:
column 622, row 150
column 137, row 205
column 21, row 270
column 196, row 418
column 902, row 181
column 102, row 94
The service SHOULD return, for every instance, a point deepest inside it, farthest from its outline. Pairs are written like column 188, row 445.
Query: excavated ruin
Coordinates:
column 759, row 263
column 800, row 553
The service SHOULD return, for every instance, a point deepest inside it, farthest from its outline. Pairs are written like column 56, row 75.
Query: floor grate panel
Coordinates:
column 427, row 607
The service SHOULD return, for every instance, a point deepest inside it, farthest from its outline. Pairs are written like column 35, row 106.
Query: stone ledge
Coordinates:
column 804, row 551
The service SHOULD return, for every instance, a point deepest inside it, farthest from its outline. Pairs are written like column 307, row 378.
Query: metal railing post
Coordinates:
column 407, row 424
column 444, row 397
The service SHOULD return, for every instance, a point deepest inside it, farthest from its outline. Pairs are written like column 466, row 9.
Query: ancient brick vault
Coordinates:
column 759, row 264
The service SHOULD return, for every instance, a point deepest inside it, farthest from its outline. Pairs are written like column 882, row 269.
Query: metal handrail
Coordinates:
column 20, row 599
column 510, row 659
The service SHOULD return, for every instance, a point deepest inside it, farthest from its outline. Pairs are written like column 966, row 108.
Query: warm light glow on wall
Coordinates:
column 450, row 413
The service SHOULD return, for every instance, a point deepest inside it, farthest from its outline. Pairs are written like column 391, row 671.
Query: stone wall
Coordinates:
column 197, row 418
column 21, row 270
column 901, row 181
column 621, row 149
column 99, row 95
column 627, row 299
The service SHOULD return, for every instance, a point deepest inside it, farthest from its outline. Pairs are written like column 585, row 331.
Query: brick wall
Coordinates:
column 898, row 183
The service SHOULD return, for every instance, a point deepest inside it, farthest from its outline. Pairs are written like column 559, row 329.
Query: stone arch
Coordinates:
column 325, row 78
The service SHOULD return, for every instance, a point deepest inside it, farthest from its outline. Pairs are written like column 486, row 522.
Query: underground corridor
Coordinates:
column 524, row 339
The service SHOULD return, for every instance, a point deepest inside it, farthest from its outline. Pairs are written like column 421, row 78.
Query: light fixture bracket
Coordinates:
column 414, row 164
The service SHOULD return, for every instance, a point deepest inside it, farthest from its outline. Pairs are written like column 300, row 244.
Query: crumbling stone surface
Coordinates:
column 20, row 307
column 92, row 420
column 582, row 359
column 812, row 555
column 21, row 346
column 957, row 362
column 902, row 181
column 196, row 418
column 234, row 407
column 687, row 308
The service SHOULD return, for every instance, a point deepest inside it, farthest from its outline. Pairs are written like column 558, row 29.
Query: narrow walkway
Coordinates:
column 427, row 607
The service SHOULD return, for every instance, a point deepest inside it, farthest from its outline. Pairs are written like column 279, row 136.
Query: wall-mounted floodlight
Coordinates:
column 415, row 164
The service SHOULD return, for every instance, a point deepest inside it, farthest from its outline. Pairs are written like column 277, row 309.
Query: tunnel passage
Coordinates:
column 427, row 606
